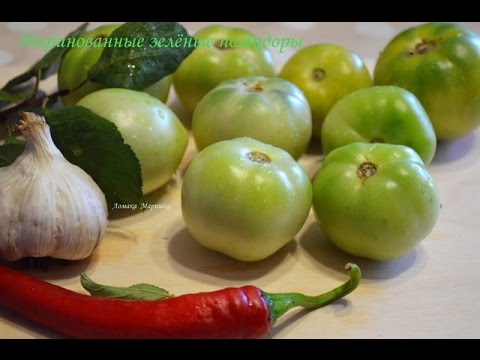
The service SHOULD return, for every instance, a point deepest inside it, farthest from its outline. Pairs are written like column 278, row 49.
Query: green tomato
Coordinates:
column 325, row 73
column 77, row 62
column 440, row 64
column 244, row 198
column 384, row 114
column 375, row 200
column 208, row 66
column 152, row 130
column 271, row 110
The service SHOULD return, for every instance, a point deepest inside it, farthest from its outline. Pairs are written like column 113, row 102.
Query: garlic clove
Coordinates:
column 48, row 206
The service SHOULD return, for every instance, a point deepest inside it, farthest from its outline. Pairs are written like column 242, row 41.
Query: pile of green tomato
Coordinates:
column 245, row 194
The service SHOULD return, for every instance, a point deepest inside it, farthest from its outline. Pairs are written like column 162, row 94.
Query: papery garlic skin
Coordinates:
column 48, row 206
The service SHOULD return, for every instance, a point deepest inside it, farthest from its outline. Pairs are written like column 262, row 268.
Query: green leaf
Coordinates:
column 6, row 97
column 134, row 292
column 48, row 65
column 10, row 150
column 138, row 67
column 95, row 144
column 19, row 94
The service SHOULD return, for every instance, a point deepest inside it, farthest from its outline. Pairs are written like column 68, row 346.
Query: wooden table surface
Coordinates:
column 433, row 292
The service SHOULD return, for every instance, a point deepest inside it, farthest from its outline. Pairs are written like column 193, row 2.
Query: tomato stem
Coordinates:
column 318, row 74
column 259, row 157
column 423, row 47
column 40, row 102
column 222, row 45
column 279, row 304
column 366, row 169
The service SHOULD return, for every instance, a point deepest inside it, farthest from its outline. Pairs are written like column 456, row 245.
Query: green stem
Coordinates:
column 33, row 102
column 279, row 304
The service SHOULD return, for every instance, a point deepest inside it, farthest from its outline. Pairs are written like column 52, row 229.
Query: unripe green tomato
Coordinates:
column 271, row 110
column 440, row 64
column 384, row 114
column 375, row 200
column 325, row 73
column 244, row 198
column 208, row 66
column 153, row 131
column 77, row 62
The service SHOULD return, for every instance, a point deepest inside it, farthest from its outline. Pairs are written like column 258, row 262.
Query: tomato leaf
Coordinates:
column 95, row 144
column 134, row 67
column 134, row 292
column 17, row 95
column 10, row 150
column 47, row 65
column 7, row 97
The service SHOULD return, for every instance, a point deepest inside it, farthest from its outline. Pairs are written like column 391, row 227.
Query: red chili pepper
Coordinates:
column 245, row 312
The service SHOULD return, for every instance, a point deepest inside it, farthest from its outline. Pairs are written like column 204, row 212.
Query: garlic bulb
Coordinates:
column 48, row 206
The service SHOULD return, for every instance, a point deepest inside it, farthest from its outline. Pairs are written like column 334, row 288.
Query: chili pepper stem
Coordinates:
column 279, row 304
